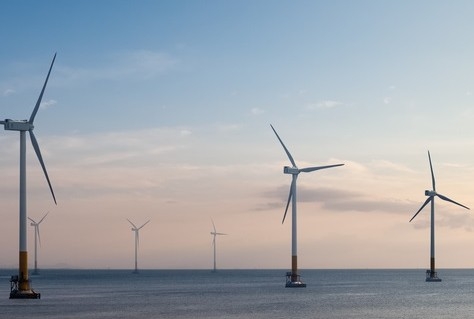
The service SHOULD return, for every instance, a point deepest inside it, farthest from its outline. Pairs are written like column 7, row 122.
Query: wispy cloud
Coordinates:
column 142, row 64
column 48, row 104
column 8, row 92
column 327, row 104
column 257, row 111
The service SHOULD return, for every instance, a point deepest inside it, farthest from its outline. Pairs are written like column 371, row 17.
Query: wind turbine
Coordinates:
column 37, row 239
column 215, row 233
column 20, row 285
column 293, row 278
column 137, row 241
column 431, row 274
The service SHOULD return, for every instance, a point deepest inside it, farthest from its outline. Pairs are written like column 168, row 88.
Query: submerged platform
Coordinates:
column 293, row 281
column 24, row 294
column 432, row 276
column 17, row 293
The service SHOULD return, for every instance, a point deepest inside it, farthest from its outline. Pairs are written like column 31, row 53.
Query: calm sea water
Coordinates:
column 242, row 294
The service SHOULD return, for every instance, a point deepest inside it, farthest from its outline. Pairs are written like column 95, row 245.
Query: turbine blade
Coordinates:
column 310, row 169
column 39, row 237
column 288, row 202
column 422, row 206
column 432, row 174
column 132, row 223
column 284, row 147
column 35, row 110
column 34, row 142
column 214, row 240
column 143, row 224
column 220, row 234
column 43, row 218
column 450, row 200
column 32, row 220
column 213, row 226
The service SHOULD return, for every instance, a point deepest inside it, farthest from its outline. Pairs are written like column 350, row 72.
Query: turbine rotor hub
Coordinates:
column 291, row 170
column 430, row 193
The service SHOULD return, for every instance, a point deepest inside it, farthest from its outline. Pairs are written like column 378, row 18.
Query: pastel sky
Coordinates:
column 161, row 110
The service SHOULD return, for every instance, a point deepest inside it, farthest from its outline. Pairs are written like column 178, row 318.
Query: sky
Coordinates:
column 161, row 110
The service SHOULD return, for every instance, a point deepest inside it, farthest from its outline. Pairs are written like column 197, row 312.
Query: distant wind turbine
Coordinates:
column 37, row 239
column 293, row 278
column 21, row 284
column 431, row 275
column 137, row 242
column 215, row 233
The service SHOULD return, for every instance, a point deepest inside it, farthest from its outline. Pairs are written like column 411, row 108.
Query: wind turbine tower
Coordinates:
column 431, row 274
column 20, row 285
column 37, row 239
column 293, row 278
column 215, row 233
column 137, row 242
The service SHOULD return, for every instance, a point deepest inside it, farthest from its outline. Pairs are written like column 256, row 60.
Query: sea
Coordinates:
column 94, row 294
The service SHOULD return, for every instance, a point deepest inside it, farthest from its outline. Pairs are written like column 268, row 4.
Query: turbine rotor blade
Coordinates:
column 288, row 202
column 311, row 169
column 34, row 142
column 43, row 218
column 38, row 231
column 450, row 200
column 143, row 224
column 422, row 206
column 32, row 220
column 132, row 223
column 35, row 110
column 284, row 147
column 213, row 226
column 432, row 174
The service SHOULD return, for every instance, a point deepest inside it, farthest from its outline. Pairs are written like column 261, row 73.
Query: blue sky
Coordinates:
column 161, row 109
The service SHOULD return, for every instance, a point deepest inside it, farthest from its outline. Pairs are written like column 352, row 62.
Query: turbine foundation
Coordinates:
column 17, row 293
column 293, row 281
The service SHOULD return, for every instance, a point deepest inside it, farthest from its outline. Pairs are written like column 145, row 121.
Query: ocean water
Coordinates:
column 242, row 294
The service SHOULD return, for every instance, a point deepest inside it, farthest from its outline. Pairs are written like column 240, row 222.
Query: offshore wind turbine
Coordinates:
column 37, row 239
column 431, row 274
column 137, row 242
column 20, row 285
column 293, row 278
column 215, row 233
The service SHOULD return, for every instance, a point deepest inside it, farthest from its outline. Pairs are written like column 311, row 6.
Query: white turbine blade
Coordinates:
column 213, row 226
column 288, row 202
column 284, row 147
column 34, row 142
column 132, row 223
column 143, row 224
column 220, row 234
column 432, row 174
column 422, row 206
column 214, row 239
column 43, row 218
column 450, row 200
column 32, row 220
column 38, row 231
column 311, row 169
column 35, row 110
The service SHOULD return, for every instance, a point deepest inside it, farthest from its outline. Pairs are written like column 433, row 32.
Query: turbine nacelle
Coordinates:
column 291, row 170
column 15, row 125
column 430, row 193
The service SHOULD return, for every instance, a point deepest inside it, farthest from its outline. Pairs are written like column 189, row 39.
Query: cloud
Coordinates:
column 8, row 92
column 340, row 200
column 387, row 100
column 328, row 104
column 257, row 111
column 48, row 104
column 141, row 64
